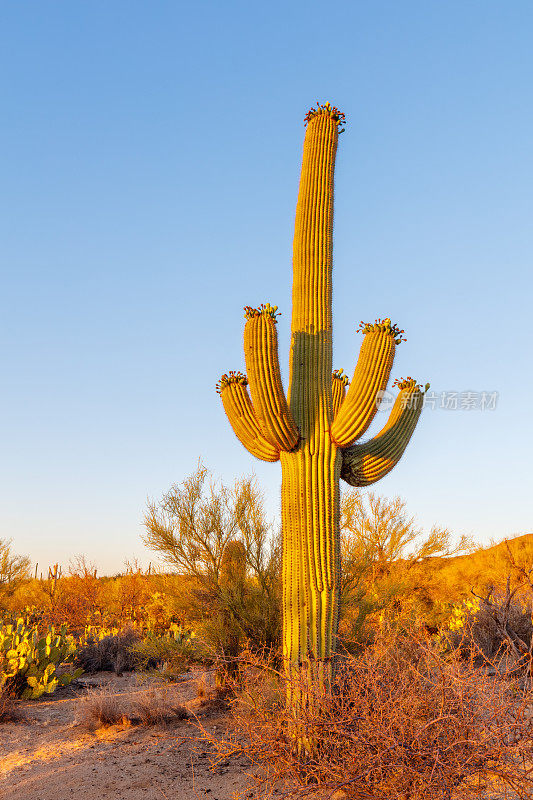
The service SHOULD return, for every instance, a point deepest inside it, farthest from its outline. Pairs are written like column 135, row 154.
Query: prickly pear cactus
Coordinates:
column 28, row 660
column 314, row 429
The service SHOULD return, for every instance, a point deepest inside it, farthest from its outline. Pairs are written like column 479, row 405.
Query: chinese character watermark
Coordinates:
column 449, row 400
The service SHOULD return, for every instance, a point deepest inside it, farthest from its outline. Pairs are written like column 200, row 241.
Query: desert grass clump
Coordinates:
column 201, row 688
column 101, row 707
column 156, row 707
column 9, row 708
column 104, row 707
column 400, row 721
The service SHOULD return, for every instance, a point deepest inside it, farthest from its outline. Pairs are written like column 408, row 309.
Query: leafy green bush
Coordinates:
column 227, row 558
column 28, row 660
column 172, row 653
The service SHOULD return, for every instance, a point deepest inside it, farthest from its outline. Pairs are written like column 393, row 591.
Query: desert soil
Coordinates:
column 48, row 756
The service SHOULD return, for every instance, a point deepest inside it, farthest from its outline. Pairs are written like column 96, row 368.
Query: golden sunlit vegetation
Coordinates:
column 433, row 686
column 217, row 593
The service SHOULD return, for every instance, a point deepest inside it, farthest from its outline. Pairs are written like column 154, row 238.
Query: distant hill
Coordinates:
column 481, row 569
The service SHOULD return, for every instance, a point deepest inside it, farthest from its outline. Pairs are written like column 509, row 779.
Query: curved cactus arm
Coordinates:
column 262, row 366
column 240, row 412
column 364, row 464
column 370, row 377
column 339, row 382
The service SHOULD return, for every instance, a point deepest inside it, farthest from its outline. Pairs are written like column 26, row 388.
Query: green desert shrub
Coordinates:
column 9, row 710
column 495, row 628
column 170, row 653
column 227, row 557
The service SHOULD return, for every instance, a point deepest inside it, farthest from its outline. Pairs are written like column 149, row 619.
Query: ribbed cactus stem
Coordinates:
column 311, row 346
column 312, row 433
column 310, row 482
column 370, row 378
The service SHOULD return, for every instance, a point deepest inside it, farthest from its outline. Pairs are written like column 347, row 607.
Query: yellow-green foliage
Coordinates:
column 28, row 660
column 174, row 650
column 392, row 570
column 28, row 594
column 220, row 541
column 448, row 581
column 313, row 429
column 134, row 599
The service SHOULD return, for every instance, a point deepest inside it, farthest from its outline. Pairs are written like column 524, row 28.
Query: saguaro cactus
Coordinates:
column 313, row 433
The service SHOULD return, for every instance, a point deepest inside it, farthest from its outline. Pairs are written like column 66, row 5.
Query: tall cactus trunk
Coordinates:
column 315, row 432
column 311, row 472
column 311, row 560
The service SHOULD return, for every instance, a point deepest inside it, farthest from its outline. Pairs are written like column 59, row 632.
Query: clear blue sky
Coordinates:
column 150, row 164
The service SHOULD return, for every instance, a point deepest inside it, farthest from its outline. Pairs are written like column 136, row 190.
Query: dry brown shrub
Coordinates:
column 201, row 688
column 402, row 722
column 494, row 633
column 10, row 710
column 114, row 653
column 102, row 707
column 156, row 707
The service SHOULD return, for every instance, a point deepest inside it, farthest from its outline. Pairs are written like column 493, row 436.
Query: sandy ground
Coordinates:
column 47, row 756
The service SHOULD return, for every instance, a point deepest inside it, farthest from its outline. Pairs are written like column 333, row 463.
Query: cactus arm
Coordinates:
column 364, row 464
column 338, row 391
column 262, row 365
column 370, row 377
column 240, row 412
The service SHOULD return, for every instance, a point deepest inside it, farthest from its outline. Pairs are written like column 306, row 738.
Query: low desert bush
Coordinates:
column 400, row 721
column 156, row 707
column 9, row 709
column 113, row 653
column 227, row 557
column 102, row 707
column 485, row 633
column 498, row 628
column 171, row 655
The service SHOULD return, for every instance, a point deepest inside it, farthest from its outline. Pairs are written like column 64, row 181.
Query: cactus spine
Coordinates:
column 313, row 434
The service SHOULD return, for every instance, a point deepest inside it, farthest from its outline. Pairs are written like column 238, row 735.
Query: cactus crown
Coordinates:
column 382, row 326
column 331, row 111
column 409, row 383
column 231, row 377
column 264, row 309
column 338, row 375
